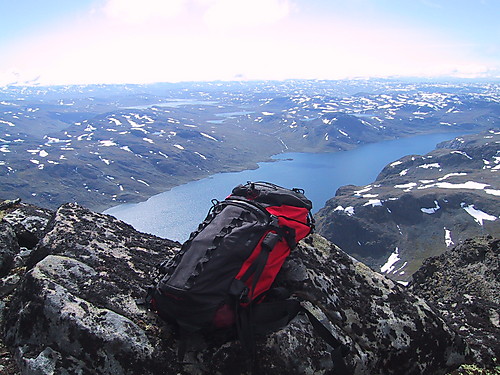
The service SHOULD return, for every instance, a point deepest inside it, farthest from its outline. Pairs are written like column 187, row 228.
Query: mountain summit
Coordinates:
column 69, row 307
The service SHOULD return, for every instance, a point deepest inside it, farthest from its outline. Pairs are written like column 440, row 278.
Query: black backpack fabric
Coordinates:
column 233, row 257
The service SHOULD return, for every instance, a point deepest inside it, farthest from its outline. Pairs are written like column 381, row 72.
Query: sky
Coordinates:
column 53, row 42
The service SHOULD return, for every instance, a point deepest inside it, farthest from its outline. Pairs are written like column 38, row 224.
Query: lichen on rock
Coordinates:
column 75, row 312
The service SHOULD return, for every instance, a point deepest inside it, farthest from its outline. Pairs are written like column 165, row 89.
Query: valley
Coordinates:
column 104, row 145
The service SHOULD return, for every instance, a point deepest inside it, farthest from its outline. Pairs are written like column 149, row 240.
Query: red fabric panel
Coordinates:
column 275, row 261
column 294, row 213
column 281, row 251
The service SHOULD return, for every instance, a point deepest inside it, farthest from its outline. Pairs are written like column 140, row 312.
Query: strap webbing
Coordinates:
column 269, row 317
column 339, row 350
column 257, row 267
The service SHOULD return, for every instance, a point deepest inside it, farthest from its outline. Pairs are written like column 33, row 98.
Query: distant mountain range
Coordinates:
column 419, row 206
column 102, row 145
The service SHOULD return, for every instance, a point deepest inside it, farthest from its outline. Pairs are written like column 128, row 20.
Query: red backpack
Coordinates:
column 224, row 271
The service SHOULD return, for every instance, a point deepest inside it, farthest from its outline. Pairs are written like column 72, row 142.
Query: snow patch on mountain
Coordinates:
column 478, row 215
column 431, row 210
column 408, row 186
column 452, row 175
column 364, row 190
column 348, row 210
column 447, row 238
column 107, row 143
column 209, row 136
column 391, row 261
column 461, row 153
column 201, row 155
column 7, row 123
column 373, row 203
column 432, row 165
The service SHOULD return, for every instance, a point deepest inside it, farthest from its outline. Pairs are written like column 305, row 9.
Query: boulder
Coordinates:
column 389, row 330
column 8, row 247
column 463, row 284
column 75, row 312
column 21, row 227
column 29, row 223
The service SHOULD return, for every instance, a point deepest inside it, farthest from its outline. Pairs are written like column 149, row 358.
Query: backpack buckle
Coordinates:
column 243, row 298
column 274, row 222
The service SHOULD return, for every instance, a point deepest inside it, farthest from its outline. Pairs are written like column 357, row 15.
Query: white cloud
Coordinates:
column 471, row 71
column 217, row 14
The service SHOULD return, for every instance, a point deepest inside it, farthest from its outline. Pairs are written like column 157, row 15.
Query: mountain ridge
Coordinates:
column 418, row 206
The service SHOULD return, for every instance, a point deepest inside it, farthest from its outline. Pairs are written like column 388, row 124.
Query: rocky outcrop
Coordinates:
column 419, row 206
column 75, row 309
column 75, row 312
column 21, row 227
column 8, row 247
column 28, row 221
column 463, row 284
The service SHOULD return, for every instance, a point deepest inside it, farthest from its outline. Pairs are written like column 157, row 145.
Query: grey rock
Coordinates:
column 79, row 296
column 43, row 364
column 29, row 223
column 21, row 227
column 75, row 312
column 389, row 330
column 463, row 284
column 8, row 247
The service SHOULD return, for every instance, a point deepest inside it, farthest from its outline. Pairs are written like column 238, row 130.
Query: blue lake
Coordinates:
column 174, row 103
column 174, row 214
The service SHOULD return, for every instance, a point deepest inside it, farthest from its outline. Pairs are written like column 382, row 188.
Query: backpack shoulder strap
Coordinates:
column 268, row 317
column 340, row 350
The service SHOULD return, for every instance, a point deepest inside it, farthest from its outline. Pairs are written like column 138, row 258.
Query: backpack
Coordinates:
column 224, row 272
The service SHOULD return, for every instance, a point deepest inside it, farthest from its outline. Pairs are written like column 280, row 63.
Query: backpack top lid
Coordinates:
column 273, row 195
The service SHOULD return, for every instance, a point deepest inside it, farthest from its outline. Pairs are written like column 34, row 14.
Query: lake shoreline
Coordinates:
column 168, row 214
column 253, row 165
